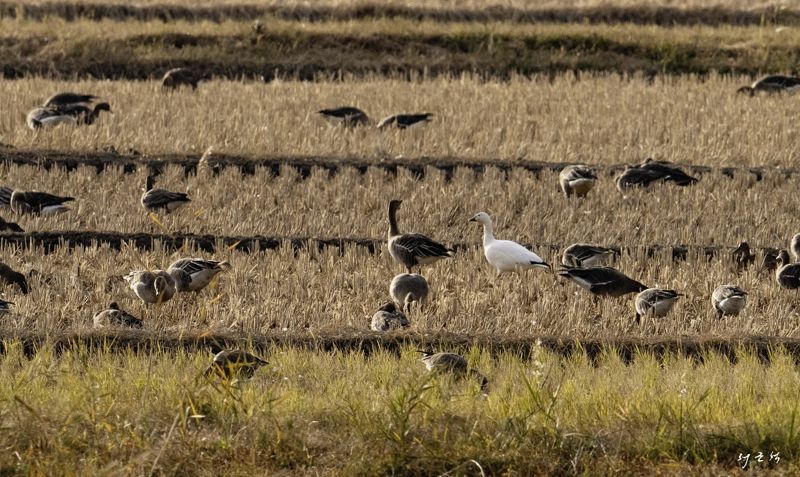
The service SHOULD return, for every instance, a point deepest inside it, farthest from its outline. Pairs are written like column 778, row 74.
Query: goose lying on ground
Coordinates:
column 742, row 256
column 407, row 288
column 577, row 179
column 403, row 121
column 772, row 84
column 194, row 274
column 389, row 318
column 412, row 249
column 234, row 364
column 585, row 255
column 60, row 100
column 71, row 114
column 114, row 316
column 5, row 306
column 794, row 246
column 671, row 172
column 347, row 116
column 655, row 302
column 9, row 276
column 788, row 274
column 154, row 200
column 505, row 255
column 728, row 300
column 453, row 364
column 42, row 203
column 650, row 172
column 602, row 280
column 6, row 226
column 154, row 287
column 177, row 77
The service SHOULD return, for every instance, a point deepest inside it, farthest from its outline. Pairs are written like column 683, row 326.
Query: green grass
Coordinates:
column 344, row 414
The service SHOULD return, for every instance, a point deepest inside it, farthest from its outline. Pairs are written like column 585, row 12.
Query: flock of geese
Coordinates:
column 583, row 264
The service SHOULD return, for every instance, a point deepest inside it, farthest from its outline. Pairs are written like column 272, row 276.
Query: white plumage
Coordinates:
column 505, row 255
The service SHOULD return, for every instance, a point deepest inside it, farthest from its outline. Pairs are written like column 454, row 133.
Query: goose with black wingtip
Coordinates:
column 505, row 255
column 603, row 281
column 412, row 249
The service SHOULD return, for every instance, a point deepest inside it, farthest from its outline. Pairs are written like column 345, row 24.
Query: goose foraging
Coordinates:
column 655, row 302
column 505, row 255
column 602, row 280
column 67, row 99
column 154, row 200
column 236, row 363
column 412, row 249
column 742, row 256
column 41, row 203
column 728, row 300
column 114, row 316
column 389, row 318
column 177, row 77
column 453, row 364
column 154, row 287
column 194, row 274
column 788, row 274
column 76, row 114
column 585, row 255
column 577, row 180
column 403, row 121
column 407, row 288
column 772, row 84
column 9, row 276
column 347, row 116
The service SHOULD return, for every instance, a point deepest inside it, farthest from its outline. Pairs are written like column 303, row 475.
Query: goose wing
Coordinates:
column 577, row 253
column 602, row 280
column 155, row 198
column 728, row 291
column 637, row 177
column 40, row 200
column 194, row 265
column 405, row 120
column 574, row 173
column 347, row 115
column 63, row 99
column 669, row 171
column 419, row 245
column 789, row 276
column 778, row 82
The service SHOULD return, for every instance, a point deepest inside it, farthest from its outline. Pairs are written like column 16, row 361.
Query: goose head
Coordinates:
column 394, row 205
column 148, row 184
column 481, row 217
column 102, row 107
column 742, row 249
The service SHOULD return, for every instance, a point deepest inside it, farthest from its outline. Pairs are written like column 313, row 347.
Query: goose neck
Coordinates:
column 488, row 234
column 393, row 229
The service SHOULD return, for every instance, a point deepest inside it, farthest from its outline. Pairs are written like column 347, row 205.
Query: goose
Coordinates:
column 412, row 249
column 742, row 256
column 452, row 363
column 114, row 316
column 655, row 302
column 71, row 114
column 769, row 262
column 84, row 115
column 154, row 287
column 42, row 203
column 728, row 300
column 5, row 195
column 9, row 276
column 788, row 274
column 347, row 116
column 671, row 172
column 406, row 288
column 6, row 226
column 154, row 200
column 636, row 177
column 234, row 363
column 650, row 172
column 505, row 255
column 65, row 99
column 794, row 246
column 194, row 274
column 177, row 77
column 585, row 255
column 577, row 180
column 389, row 318
column 5, row 306
column 772, row 84
column 403, row 121
column 602, row 280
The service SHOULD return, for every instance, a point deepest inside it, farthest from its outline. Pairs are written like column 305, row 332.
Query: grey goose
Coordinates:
column 347, row 116
column 235, row 363
column 34, row 202
column 577, row 180
column 655, row 302
column 728, row 300
column 114, row 316
column 194, row 274
column 177, row 77
column 412, row 249
column 602, row 280
column 453, row 364
column 787, row 274
column 389, row 318
column 407, row 288
column 771, row 84
column 403, row 121
column 155, row 200
column 650, row 172
column 10, row 276
column 153, row 288
column 585, row 255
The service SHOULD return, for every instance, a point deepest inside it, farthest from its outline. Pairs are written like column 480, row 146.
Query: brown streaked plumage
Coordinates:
column 412, row 249
column 728, row 300
column 602, row 280
column 155, row 200
column 585, row 255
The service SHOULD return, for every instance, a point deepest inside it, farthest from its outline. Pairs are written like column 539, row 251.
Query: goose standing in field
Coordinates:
column 154, row 200
column 72, row 114
column 742, row 256
column 403, row 121
column 794, row 246
column 5, row 306
column 6, row 226
column 235, row 363
column 389, row 318
column 5, row 195
column 407, row 288
column 602, row 280
column 177, row 77
column 769, row 262
column 114, row 316
column 194, row 274
column 655, row 302
column 788, row 274
column 61, row 100
column 42, row 203
column 412, row 249
column 9, row 276
column 154, row 287
column 772, row 84
column 577, row 180
column 347, row 116
column 505, row 255
column 453, row 364
column 585, row 255
column 728, row 300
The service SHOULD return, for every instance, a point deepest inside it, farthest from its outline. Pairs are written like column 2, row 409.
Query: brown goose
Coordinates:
column 728, row 300
column 42, row 203
column 585, row 255
column 655, row 302
column 235, row 363
column 772, row 84
column 10, row 277
column 177, row 77
column 412, row 249
column 453, row 364
column 577, row 180
column 114, row 316
column 347, row 116
column 788, row 274
column 194, row 274
column 153, row 288
column 742, row 256
column 389, row 318
column 154, row 200
column 602, row 280
column 403, row 121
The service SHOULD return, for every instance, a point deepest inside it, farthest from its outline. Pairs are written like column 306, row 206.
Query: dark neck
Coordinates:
column 393, row 230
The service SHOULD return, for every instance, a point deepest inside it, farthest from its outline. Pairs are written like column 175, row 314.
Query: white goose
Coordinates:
column 505, row 255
